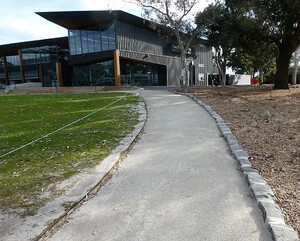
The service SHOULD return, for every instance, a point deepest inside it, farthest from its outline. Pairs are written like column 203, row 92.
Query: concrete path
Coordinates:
column 178, row 183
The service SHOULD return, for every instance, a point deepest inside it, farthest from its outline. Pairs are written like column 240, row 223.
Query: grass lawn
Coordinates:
column 28, row 173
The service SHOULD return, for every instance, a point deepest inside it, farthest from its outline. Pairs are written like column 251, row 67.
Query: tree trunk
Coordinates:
column 296, row 62
column 221, row 65
column 223, row 70
column 282, row 64
column 281, row 80
column 183, row 71
column 223, row 74
column 261, row 76
column 295, row 72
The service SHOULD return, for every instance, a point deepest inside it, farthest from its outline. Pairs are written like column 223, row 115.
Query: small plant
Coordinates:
column 68, row 205
column 295, row 156
column 271, row 97
column 279, row 123
column 280, row 166
column 266, row 115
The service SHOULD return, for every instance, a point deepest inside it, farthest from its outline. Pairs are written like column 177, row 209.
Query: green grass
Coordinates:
column 27, row 174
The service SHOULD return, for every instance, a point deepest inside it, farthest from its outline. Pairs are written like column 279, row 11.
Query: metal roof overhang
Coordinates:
column 92, row 20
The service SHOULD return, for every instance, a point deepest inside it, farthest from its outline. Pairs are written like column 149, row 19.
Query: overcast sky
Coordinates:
column 19, row 22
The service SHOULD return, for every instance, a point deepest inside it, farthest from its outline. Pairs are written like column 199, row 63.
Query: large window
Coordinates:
column 101, row 74
column 13, row 68
column 143, row 74
column 86, row 41
column 44, row 54
column 13, row 60
column 32, row 58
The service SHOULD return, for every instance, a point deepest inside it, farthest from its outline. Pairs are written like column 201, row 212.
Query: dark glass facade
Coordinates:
column 13, row 60
column 132, row 73
column 45, row 57
column 94, row 74
column 86, row 41
column 13, row 68
column 142, row 74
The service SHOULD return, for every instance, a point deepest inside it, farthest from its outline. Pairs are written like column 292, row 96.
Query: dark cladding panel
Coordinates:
column 140, row 44
column 203, row 64
column 173, row 71
column 134, row 38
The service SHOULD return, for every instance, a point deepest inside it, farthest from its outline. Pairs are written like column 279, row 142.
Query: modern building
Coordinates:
column 35, row 61
column 103, row 48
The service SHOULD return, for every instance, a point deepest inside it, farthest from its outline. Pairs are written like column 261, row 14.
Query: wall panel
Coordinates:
column 135, row 42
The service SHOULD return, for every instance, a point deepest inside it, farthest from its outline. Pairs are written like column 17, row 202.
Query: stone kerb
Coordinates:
column 262, row 192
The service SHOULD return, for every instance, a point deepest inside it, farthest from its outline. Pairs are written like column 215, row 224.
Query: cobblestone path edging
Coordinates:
column 263, row 193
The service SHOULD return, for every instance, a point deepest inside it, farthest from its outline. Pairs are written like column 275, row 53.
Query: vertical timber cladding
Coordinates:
column 134, row 42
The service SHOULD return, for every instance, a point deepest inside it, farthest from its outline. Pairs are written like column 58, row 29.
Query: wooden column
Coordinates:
column 6, row 76
column 59, row 74
column 22, row 73
column 117, row 68
column 41, row 74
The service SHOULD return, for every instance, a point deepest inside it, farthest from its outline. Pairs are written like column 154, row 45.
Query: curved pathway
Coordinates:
column 178, row 183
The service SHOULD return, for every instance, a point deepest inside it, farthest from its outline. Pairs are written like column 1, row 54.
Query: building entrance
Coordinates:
column 143, row 74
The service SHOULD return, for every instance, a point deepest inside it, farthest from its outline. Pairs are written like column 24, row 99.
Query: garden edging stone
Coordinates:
column 262, row 192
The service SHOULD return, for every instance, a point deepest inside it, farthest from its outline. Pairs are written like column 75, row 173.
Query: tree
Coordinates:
column 221, row 34
column 212, row 17
column 177, row 16
column 276, row 22
column 254, row 56
column 281, row 20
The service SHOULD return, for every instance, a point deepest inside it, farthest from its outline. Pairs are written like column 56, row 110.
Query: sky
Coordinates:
column 19, row 22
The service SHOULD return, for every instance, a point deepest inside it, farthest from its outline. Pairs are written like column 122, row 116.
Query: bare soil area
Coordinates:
column 266, row 123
